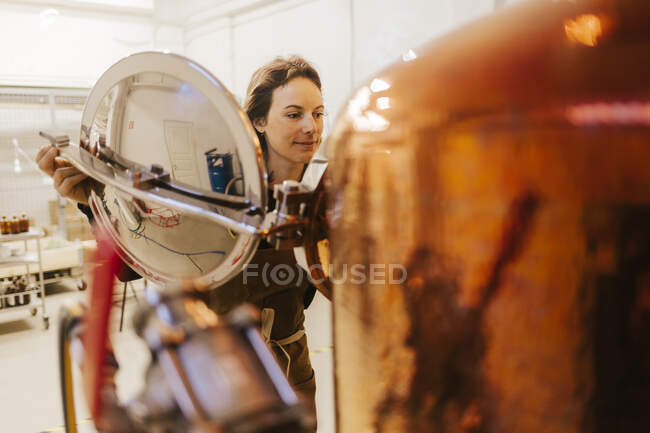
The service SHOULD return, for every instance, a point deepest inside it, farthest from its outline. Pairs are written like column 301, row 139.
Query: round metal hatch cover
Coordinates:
column 164, row 109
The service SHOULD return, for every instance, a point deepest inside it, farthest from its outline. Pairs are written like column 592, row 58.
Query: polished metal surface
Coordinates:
column 154, row 120
column 505, row 167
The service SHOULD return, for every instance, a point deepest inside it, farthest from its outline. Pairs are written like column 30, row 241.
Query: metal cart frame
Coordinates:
column 28, row 258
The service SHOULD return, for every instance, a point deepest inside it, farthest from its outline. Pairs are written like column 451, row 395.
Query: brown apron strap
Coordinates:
column 268, row 316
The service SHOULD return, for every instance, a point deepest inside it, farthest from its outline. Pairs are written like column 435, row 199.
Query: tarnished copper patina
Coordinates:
column 507, row 168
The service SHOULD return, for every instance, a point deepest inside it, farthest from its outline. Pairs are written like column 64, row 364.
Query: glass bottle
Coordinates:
column 14, row 225
column 4, row 226
column 23, row 223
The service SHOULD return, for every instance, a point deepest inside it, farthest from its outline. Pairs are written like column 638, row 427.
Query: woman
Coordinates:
column 285, row 106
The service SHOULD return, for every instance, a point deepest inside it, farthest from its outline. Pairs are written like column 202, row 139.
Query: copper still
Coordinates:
column 506, row 168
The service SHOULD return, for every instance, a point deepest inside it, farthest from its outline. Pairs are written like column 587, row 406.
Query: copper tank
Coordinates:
column 506, row 167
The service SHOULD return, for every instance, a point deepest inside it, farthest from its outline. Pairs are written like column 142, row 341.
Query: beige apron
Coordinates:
column 280, row 299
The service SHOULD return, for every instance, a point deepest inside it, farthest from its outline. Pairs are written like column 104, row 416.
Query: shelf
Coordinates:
column 21, row 259
column 27, row 259
column 47, row 281
column 33, row 233
column 33, row 304
column 35, row 290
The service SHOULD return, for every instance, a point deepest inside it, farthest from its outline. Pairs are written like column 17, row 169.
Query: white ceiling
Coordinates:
column 187, row 13
column 129, row 6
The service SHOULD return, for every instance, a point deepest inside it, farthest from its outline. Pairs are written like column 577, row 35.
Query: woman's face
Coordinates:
column 294, row 124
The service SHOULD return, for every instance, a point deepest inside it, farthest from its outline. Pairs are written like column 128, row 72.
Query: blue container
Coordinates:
column 219, row 169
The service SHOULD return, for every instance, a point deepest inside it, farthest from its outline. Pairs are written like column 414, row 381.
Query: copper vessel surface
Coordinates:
column 506, row 167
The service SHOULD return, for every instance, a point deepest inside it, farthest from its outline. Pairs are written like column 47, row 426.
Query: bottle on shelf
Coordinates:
column 23, row 223
column 5, row 226
column 14, row 225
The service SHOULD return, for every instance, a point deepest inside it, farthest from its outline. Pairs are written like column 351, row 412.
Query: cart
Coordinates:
column 34, row 289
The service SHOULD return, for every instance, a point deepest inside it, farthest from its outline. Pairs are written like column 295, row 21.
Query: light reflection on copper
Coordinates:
column 359, row 102
column 379, row 85
column 408, row 56
column 370, row 121
column 363, row 119
column 169, row 334
column 383, row 103
column 202, row 315
column 619, row 113
column 194, row 285
column 584, row 29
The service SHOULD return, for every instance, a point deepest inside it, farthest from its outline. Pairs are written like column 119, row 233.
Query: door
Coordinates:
column 180, row 146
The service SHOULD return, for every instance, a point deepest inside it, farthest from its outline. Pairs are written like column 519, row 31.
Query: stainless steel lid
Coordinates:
column 193, row 214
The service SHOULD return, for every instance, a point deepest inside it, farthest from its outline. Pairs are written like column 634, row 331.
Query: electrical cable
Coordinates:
column 195, row 264
column 138, row 230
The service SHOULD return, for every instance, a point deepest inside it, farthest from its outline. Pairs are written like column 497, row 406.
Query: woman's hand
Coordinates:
column 69, row 182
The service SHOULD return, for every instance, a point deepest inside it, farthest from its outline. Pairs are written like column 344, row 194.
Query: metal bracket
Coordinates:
column 56, row 138
column 287, row 231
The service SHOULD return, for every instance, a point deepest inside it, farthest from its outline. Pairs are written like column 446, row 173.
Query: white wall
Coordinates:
column 73, row 46
column 384, row 30
column 347, row 40
column 210, row 46
column 317, row 30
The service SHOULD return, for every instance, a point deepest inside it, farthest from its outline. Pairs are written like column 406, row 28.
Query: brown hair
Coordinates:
column 269, row 77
